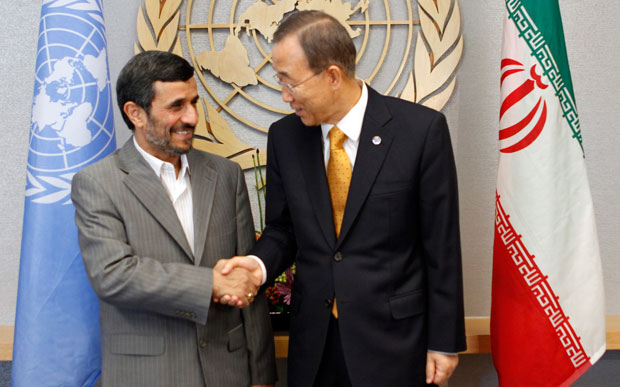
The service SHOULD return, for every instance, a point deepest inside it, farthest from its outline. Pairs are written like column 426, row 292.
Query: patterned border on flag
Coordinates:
column 540, row 49
column 539, row 287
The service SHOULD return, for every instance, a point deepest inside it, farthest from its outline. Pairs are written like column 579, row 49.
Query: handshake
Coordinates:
column 236, row 281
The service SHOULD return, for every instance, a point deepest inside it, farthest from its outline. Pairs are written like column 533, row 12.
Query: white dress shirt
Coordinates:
column 179, row 189
column 351, row 125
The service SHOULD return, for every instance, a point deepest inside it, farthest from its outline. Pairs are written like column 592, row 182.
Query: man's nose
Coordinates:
column 287, row 96
column 190, row 116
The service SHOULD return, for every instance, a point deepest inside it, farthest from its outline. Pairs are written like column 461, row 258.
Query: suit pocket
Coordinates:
column 408, row 304
column 236, row 338
column 390, row 188
column 136, row 345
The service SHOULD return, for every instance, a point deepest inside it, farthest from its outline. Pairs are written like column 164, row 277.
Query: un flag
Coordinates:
column 57, row 320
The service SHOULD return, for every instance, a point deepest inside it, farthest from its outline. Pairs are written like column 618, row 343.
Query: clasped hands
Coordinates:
column 236, row 281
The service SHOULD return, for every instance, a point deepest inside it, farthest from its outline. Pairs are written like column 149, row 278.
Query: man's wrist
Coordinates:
column 262, row 268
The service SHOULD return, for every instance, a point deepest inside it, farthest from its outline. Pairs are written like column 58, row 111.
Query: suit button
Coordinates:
column 338, row 256
column 202, row 343
column 328, row 302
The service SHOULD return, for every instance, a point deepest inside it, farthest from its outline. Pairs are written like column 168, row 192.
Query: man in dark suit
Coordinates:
column 377, row 299
column 153, row 219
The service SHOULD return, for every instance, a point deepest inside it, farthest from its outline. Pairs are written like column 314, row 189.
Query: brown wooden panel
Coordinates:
column 478, row 338
column 6, row 343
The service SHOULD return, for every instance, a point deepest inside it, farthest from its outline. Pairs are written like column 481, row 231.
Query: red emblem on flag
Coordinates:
column 511, row 67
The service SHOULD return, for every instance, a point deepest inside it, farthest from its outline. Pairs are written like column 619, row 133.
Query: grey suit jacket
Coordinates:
column 158, row 325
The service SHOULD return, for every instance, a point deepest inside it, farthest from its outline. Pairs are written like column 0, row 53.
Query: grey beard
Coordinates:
column 164, row 145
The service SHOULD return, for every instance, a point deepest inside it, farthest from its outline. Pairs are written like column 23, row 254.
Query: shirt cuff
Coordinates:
column 262, row 268
column 443, row 353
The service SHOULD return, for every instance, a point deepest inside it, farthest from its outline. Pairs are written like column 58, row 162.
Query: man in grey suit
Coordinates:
column 153, row 219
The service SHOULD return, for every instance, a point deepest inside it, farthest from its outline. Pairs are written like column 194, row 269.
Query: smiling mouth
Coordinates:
column 186, row 131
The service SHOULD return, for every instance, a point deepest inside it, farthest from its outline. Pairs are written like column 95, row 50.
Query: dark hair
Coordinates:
column 324, row 40
column 135, row 82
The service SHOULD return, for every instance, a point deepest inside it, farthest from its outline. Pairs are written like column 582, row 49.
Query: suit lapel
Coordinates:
column 204, row 181
column 310, row 150
column 148, row 189
column 369, row 158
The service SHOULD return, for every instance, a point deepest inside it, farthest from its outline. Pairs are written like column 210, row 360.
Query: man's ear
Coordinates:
column 136, row 114
column 335, row 75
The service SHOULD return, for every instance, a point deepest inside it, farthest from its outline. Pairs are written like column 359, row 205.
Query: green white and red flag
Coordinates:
column 548, row 309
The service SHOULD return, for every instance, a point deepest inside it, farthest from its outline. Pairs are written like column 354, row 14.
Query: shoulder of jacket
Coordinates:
column 218, row 162
column 106, row 165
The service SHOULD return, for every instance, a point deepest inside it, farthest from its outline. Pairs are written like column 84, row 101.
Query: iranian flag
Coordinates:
column 548, row 310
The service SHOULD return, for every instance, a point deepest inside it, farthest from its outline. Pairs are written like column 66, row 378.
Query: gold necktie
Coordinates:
column 338, row 175
column 339, row 178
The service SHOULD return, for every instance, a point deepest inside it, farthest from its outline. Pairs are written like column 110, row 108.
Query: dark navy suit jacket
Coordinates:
column 395, row 268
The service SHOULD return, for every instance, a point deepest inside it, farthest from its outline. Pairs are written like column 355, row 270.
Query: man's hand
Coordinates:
column 439, row 367
column 245, row 262
column 226, row 266
column 239, row 285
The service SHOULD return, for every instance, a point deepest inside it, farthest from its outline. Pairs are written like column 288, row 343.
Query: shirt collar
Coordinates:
column 351, row 123
column 157, row 164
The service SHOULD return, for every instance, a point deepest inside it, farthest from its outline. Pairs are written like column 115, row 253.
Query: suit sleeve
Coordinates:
column 256, row 321
column 439, row 223
column 120, row 277
column 276, row 246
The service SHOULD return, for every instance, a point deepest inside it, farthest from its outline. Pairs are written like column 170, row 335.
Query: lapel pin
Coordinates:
column 376, row 140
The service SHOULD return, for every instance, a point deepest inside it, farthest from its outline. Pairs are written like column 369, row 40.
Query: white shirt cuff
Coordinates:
column 262, row 268
column 443, row 353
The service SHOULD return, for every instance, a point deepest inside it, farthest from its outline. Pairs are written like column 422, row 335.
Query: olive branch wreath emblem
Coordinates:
column 431, row 82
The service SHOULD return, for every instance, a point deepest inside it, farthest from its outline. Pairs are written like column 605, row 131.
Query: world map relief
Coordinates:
column 231, row 64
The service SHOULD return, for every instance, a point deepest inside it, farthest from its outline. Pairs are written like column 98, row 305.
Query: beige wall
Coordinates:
column 592, row 34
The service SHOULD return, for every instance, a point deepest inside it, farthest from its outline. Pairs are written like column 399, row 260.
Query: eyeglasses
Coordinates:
column 291, row 88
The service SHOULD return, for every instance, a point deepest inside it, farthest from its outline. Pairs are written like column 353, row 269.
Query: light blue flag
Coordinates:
column 57, row 320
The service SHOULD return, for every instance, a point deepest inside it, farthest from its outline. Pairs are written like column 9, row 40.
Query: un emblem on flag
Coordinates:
column 72, row 121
